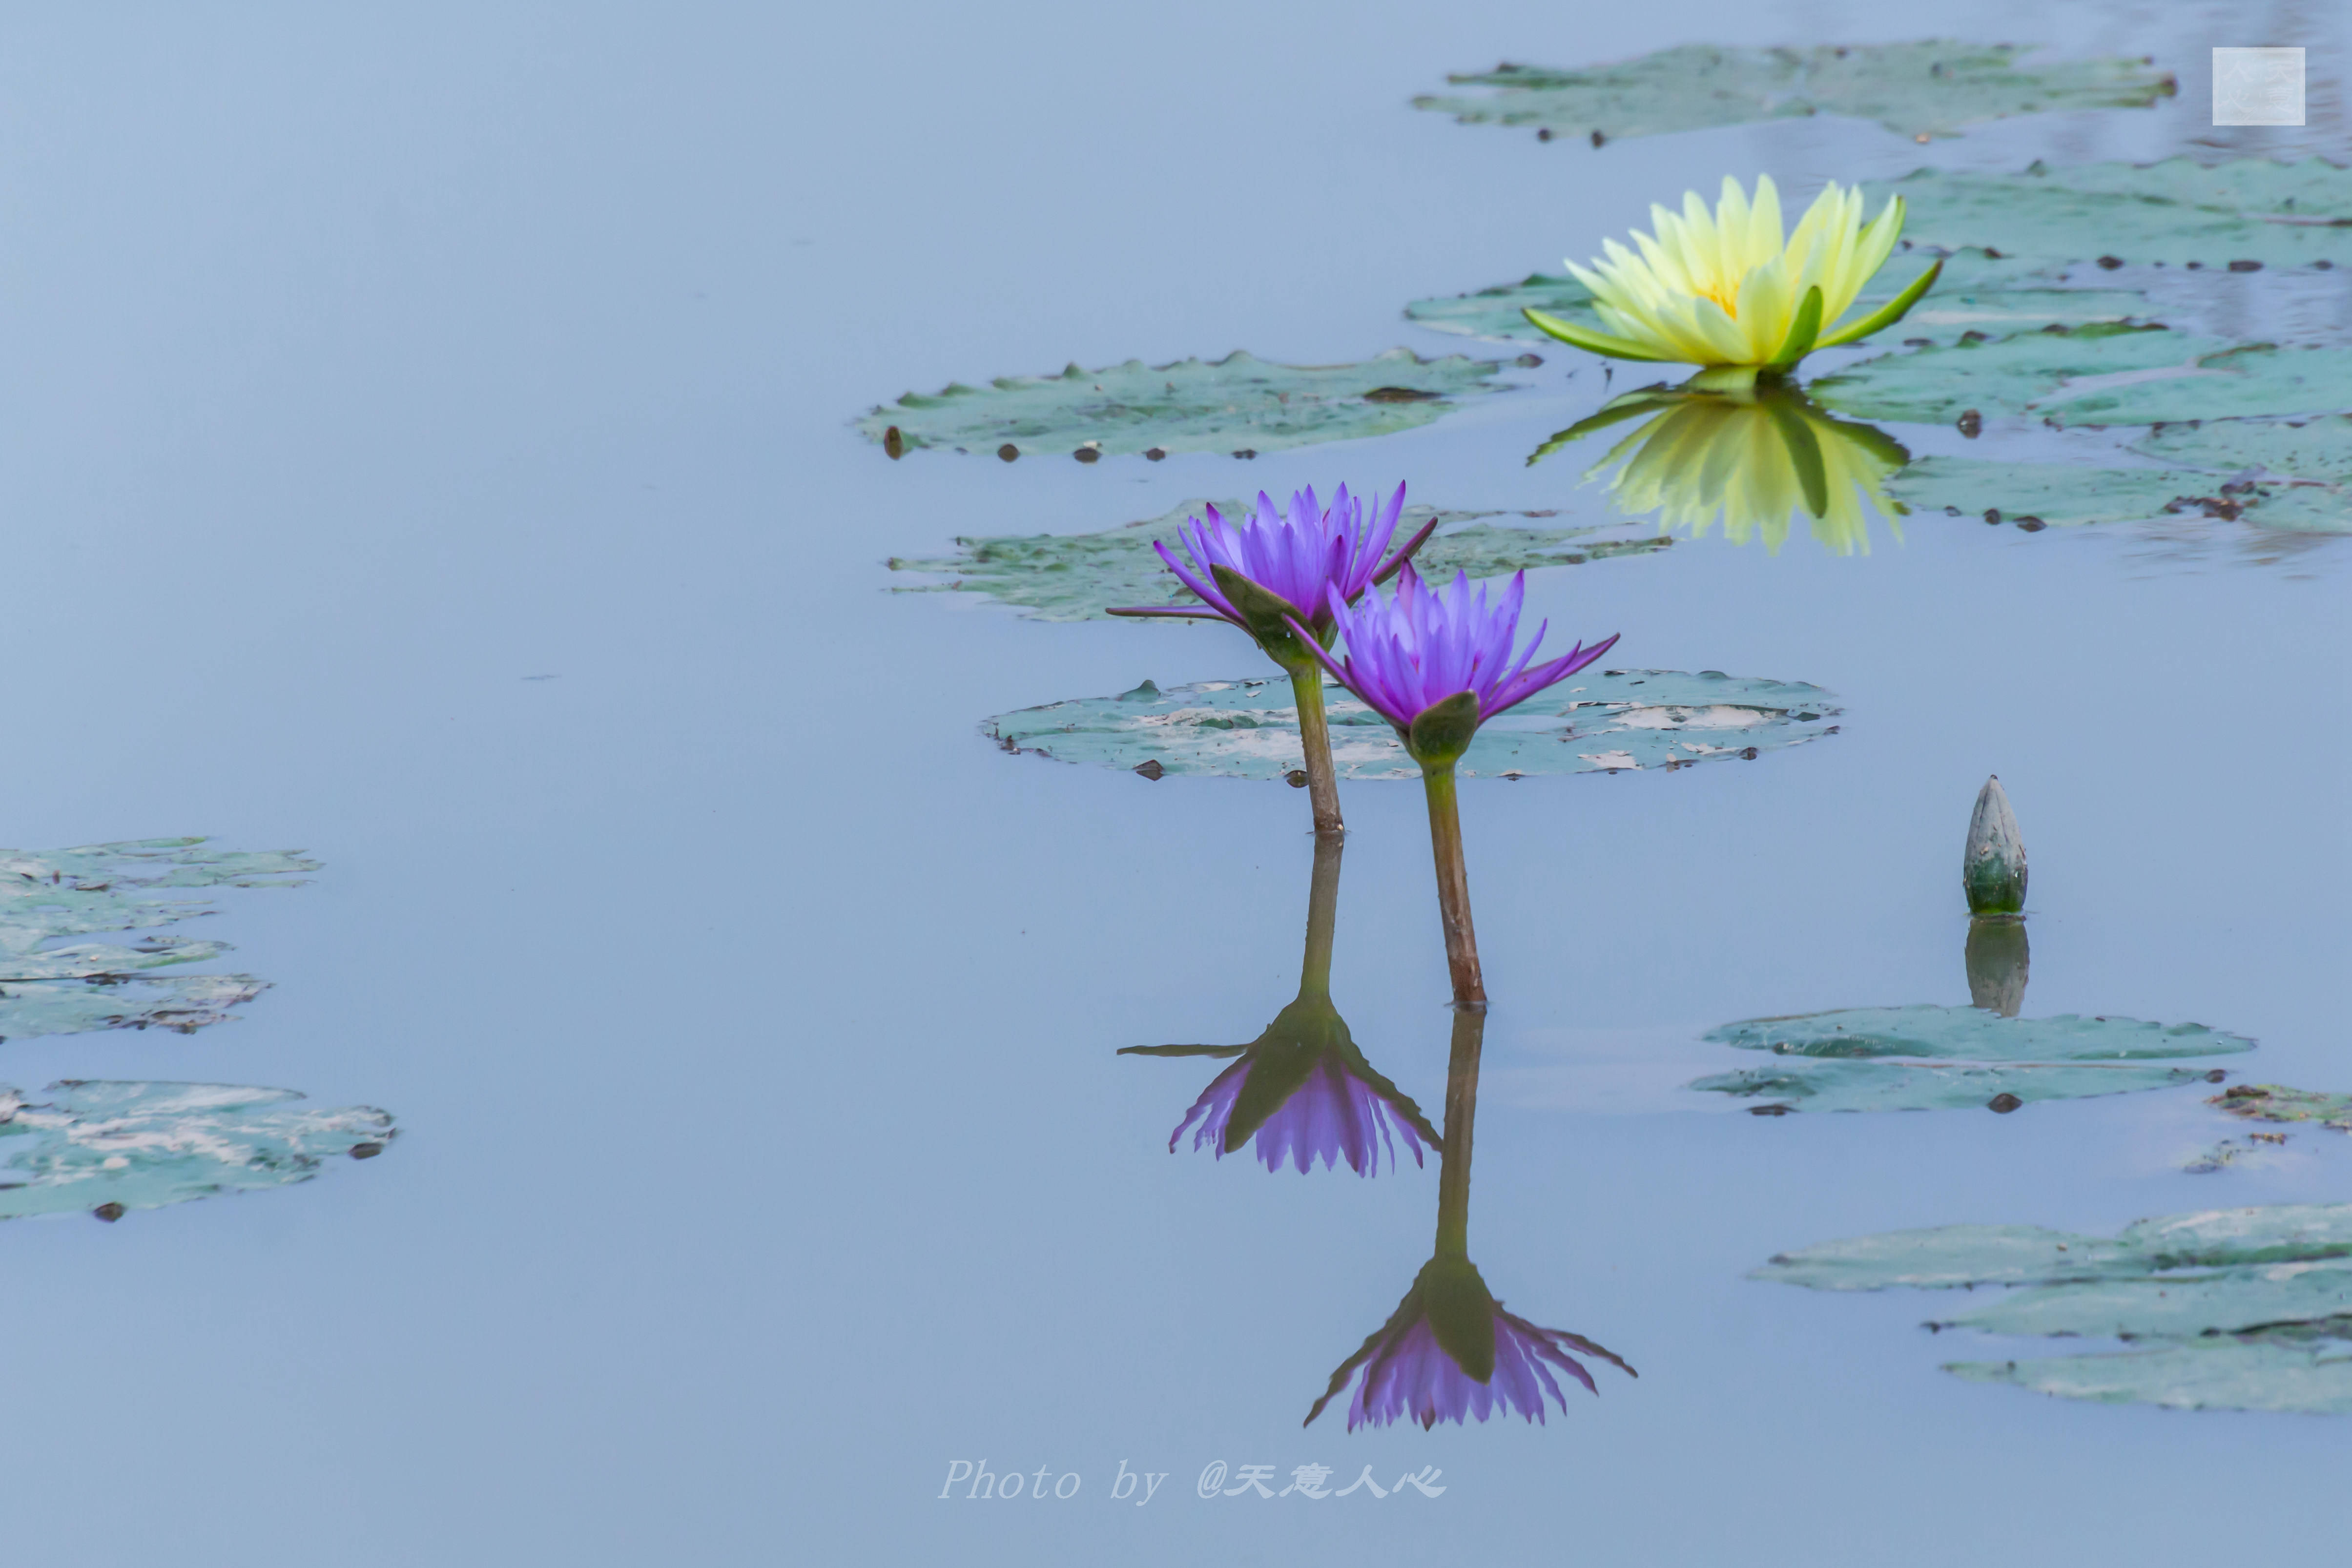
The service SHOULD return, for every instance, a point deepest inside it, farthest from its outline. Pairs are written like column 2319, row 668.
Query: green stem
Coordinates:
column 1452, row 887
column 1461, row 1109
column 1315, row 737
column 1322, row 916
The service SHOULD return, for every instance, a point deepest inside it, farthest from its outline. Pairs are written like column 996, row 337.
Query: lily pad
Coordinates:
column 2247, row 1309
column 1920, row 90
column 2078, row 372
column 182, row 1002
column 1919, row 1086
column 2175, row 212
column 1969, row 1254
column 2060, row 495
column 1603, row 722
column 1078, row 576
column 1929, row 1057
column 1974, row 1035
column 46, row 895
column 2318, row 449
column 1238, row 403
column 2277, row 1102
column 110, row 1147
column 2308, row 1375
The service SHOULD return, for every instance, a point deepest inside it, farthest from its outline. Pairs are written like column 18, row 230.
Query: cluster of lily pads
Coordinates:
column 108, row 1147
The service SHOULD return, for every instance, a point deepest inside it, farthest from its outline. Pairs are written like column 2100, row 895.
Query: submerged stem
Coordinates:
column 1452, row 887
column 1315, row 738
column 1461, row 1109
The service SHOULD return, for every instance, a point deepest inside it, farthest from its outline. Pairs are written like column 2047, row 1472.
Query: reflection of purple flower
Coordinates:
column 1409, row 653
column 1300, row 557
column 1413, row 1368
column 1305, row 1104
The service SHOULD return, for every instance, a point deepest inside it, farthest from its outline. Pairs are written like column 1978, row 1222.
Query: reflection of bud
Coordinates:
column 1450, row 1353
column 1752, row 458
column 1998, row 960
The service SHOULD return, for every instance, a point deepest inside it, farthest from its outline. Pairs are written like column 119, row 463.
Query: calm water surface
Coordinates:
column 426, row 443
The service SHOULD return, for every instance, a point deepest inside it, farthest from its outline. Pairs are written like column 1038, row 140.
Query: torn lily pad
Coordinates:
column 2282, row 475
column 2246, row 1309
column 1078, row 576
column 86, row 1146
column 1922, row 90
column 1622, row 719
column 75, row 986
column 1930, row 1057
column 1239, row 405
column 2277, row 1102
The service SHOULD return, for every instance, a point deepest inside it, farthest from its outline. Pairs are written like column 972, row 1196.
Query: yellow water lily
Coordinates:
column 1725, row 290
column 1751, row 458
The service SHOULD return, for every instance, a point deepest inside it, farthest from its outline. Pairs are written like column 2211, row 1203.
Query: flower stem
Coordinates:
column 1452, row 887
column 1461, row 1109
column 1322, row 916
column 1315, row 737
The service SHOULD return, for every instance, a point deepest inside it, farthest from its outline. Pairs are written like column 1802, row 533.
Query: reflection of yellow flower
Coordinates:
column 1752, row 458
column 1725, row 290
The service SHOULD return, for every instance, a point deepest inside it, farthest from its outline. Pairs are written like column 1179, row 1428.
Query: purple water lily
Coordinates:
column 1276, row 574
column 1336, row 1109
column 1301, row 556
column 1436, row 663
column 1410, row 1373
column 1408, row 654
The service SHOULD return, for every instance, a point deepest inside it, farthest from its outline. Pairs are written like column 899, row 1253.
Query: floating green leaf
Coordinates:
column 2247, row 1309
column 2060, row 495
column 2175, row 212
column 1974, row 1035
column 1604, row 721
column 182, row 1002
column 1919, row 90
column 1919, row 1086
column 1929, row 1057
column 2014, row 376
column 1969, row 1255
column 116, row 1146
column 45, row 895
column 1079, row 577
column 2277, row 1102
column 2306, row 1374
column 1237, row 404
column 2318, row 449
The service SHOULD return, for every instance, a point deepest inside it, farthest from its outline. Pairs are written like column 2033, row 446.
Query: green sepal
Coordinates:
column 1461, row 1314
column 1724, row 378
column 1441, row 732
column 1802, row 331
column 1266, row 617
column 1589, row 341
column 1886, row 315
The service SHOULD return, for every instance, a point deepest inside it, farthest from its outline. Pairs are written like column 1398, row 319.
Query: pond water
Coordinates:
column 432, row 448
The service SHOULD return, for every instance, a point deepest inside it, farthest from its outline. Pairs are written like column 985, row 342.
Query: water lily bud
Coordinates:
column 1992, row 867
